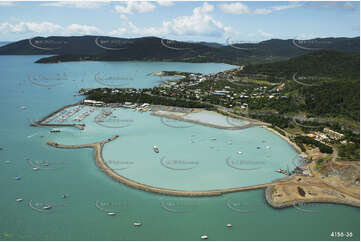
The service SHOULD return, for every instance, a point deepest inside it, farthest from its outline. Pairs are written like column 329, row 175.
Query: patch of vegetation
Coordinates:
column 309, row 141
column 350, row 151
column 336, row 80
column 301, row 191
column 104, row 95
column 320, row 163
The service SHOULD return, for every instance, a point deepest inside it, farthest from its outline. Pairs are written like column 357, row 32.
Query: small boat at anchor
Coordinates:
column 19, row 200
column 204, row 237
column 155, row 148
column 137, row 224
column 47, row 207
column 55, row 130
column 229, row 225
column 111, row 213
column 239, row 152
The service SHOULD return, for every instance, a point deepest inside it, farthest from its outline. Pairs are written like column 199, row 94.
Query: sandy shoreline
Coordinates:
column 298, row 149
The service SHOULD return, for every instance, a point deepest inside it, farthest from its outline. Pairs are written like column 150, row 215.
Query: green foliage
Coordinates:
column 103, row 94
column 350, row 151
column 275, row 120
column 309, row 141
column 336, row 80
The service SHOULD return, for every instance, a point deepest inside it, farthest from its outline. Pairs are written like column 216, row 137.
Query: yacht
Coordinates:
column 268, row 147
column 47, row 207
column 35, row 168
column 111, row 213
column 18, row 178
column 137, row 224
column 229, row 225
column 55, row 130
column 239, row 152
column 155, row 148
column 19, row 200
column 204, row 237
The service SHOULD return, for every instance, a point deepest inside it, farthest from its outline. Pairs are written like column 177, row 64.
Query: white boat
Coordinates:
column 35, row 168
column 204, row 237
column 19, row 200
column 18, row 178
column 239, row 152
column 55, row 130
column 137, row 224
column 229, row 225
column 155, row 148
column 47, row 207
column 111, row 213
column 268, row 147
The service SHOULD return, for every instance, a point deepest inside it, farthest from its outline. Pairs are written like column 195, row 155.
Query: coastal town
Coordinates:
column 322, row 176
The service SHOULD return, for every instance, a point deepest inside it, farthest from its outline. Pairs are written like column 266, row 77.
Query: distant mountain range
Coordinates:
column 2, row 43
column 103, row 48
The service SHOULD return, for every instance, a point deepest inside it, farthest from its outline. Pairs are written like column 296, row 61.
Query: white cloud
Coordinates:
column 262, row 11
column 131, row 7
column 82, row 29
column 264, row 34
column 74, row 4
column 30, row 27
column 240, row 8
column 4, row 4
column 47, row 28
column 235, row 8
column 165, row 3
column 283, row 7
column 200, row 23
column 336, row 5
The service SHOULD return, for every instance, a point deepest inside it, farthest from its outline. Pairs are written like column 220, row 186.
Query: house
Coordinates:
column 333, row 134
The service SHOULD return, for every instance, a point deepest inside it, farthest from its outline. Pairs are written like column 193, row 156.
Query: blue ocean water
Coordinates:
column 30, row 91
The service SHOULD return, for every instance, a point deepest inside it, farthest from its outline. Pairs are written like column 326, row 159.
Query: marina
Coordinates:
column 67, row 222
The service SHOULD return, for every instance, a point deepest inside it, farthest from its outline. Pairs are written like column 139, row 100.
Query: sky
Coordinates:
column 211, row 21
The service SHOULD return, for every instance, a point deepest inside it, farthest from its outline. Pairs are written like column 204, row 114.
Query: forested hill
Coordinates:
column 327, row 83
column 152, row 48
column 322, row 63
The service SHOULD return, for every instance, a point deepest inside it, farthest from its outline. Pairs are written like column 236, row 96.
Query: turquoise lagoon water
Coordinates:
column 191, row 157
column 77, row 217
